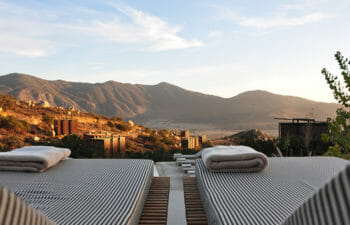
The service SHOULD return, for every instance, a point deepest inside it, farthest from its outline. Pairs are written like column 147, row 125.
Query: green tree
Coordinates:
column 79, row 149
column 339, row 129
column 336, row 152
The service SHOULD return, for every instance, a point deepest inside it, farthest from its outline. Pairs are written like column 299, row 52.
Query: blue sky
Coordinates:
column 215, row 47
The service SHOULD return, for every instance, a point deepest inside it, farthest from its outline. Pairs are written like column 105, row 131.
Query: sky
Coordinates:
column 221, row 47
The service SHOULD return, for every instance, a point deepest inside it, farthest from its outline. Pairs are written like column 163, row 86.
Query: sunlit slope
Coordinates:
column 166, row 105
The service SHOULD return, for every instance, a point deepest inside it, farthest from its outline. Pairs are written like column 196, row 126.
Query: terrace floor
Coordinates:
column 176, row 205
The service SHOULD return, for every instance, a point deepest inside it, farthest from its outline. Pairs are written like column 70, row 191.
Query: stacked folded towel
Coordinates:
column 32, row 158
column 191, row 156
column 234, row 159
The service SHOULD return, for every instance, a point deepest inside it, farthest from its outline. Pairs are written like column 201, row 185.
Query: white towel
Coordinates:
column 234, row 159
column 32, row 158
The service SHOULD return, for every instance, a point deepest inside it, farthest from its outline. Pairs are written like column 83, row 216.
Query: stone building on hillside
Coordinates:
column 113, row 145
column 190, row 143
column 202, row 139
column 66, row 127
column 185, row 134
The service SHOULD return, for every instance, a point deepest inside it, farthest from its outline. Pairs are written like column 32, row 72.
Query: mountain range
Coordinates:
column 166, row 105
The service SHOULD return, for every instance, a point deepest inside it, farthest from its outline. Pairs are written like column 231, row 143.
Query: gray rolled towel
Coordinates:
column 234, row 159
column 32, row 158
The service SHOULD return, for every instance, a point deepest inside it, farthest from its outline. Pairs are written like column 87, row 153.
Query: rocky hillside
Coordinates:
column 254, row 138
column 166, row 105
column 253, row 135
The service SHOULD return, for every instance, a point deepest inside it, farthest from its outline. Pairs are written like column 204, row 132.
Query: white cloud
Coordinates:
column 215, row 34
column 287, row 15
column 21, row 34
column 24, row 46
column 35, row 32
column 145, row 29
column 281, row 21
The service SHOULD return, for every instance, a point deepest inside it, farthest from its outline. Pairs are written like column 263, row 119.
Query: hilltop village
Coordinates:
column 89, row 135
column 32, row 123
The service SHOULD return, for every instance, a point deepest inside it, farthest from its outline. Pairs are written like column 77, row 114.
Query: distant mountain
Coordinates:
column 254, row 135
column 166, row 105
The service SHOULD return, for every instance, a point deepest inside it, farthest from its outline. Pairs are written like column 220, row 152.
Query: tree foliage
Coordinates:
column 7, row 102
column 123, row 126
column 296, row 146
column 265, row 146
column 9, row 143
column 13, row 124
column 340, row 88
column 339, row 129
column 48, row 119
column 79, row 149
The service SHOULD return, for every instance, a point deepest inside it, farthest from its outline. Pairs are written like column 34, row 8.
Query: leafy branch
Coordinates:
column 334, row 82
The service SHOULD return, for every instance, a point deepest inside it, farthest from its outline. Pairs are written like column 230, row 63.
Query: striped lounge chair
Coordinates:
column 291, row 191
column 189, row 156
column 81, row 191
column 14, row 211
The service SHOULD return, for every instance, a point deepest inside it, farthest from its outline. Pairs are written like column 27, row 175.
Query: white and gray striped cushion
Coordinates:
column 268, row 197
column 86, row 191
column 329, row 205
column 13, row 211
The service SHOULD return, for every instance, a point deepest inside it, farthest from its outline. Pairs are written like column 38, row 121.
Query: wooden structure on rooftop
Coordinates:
column 155, row 210
column 195, row 213
column 302, row 127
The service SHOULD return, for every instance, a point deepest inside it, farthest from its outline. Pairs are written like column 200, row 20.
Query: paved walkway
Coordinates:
column 176, row 206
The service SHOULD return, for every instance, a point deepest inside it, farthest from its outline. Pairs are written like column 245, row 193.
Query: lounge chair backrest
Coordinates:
column 199, row 154
column 14, row 211
column 329, row 205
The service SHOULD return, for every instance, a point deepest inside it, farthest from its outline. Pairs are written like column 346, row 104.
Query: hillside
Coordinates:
column 38, row 120
column 27, row 123
column 254, row 138
column 166, row 105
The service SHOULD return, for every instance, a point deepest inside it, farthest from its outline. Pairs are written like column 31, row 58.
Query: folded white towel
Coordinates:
column 234, row 159
column 32, row 158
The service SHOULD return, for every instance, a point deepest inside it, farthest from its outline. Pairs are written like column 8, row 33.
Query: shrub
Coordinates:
column 9, row 143
column 13, row 124
column 123, row 126
column 154, row 138
column 7, row 102
column 119, row 119
column 339, row 129
column 47, row 119
column 79, row 149
column 168, row 140
column 164, row 133
column 110, row 124
column 207, row 144
column 336, row 151
column 130, row 145
column 157, row 146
